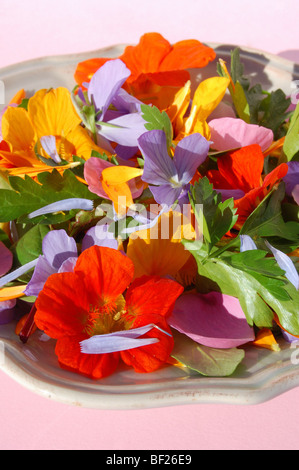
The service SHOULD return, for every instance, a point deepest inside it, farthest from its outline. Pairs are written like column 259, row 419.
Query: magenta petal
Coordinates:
column 92, row 174
column 6, row 259
column 229, row 133
column 214, row 319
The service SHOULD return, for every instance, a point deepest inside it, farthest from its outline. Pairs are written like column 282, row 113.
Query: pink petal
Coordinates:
column 212, row 319
column 229, row 133
column 93, row 168
column 6, row 259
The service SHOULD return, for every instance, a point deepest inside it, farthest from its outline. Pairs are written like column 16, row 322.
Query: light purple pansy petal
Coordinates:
column 286, row 264
column 18, row 273
column 58, row 247
column 295, row 194
column 214, row 319
column 159, row 168
column 7, row 311
column 166, row 193
column 93, row 169
column 6, row 259
column 105, row 83
column 247, row 243
column 63, row 205
column 125, row 102
column 125, row 153
column 100, row 236
column 48, row 143
column 291, row 180
column 119, row 341
column 41, row 273
column 289, row 338
column 229, row 133
column 189, row 154
column 68, row 265
column 124, row 130
column 230, row 193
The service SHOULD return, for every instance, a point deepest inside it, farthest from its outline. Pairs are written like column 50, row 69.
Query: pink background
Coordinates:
column 32, row 29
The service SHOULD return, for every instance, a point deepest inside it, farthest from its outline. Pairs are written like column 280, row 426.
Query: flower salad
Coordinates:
column 149, row 222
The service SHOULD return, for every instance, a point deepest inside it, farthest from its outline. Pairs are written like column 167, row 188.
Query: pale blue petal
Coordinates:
column 247, row 243
column 48, row 143
column 64, row 206
column 286, row 264
column 18, row 273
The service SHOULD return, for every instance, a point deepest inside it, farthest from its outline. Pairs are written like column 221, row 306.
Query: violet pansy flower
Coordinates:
column 292, row 181
column 124, row 124
column 57, row 248
column 169, row 177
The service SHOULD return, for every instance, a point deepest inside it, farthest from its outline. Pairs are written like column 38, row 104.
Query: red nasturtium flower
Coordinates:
column 242, row 169
column 99, row 298
column 154, row 63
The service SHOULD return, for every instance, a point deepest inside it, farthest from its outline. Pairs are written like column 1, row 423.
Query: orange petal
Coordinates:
column 18, row 98
column 265, row 339
column 187, row 54
column 17, row 129
column 9, row 293
column 86, row 69
column 243, row 168
column 115, row 180
column 159, row 251
column 52, row 112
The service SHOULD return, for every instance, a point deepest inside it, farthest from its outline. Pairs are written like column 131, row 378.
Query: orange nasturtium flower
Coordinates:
column 154, row 63
column 50, row 113
column 99, row 298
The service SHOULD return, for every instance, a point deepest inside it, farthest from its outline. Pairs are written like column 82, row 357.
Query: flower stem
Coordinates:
column 28, row 326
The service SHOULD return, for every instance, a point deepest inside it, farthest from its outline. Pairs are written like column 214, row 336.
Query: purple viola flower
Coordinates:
column 123, row 124
column 292, row 181
column 168, row 177
column 57, row 248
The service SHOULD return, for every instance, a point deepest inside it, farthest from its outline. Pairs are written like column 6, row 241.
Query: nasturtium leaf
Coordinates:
column 29, row 247
column 204, row 360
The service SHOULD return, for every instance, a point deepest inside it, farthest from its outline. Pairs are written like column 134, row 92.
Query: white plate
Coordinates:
column 262, row 375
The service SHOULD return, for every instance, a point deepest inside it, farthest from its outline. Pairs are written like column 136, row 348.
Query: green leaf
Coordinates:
column 28, row 195
column 291, row 143
column 259, row 296
column 214, row 217
column 267, row 221
column 157, row 119
column 204, row 360
column 241, row 103
column 29, row 247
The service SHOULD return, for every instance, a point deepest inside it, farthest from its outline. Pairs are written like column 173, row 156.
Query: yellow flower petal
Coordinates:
column 178, row 108
column 208, row 95
column 52, row 112
column 265, row 339
column 159, row 251
column 9, row 293
column 17, row 129
column 115, row 184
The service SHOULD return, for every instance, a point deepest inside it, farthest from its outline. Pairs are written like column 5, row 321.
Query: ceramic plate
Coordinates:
column 263, row 374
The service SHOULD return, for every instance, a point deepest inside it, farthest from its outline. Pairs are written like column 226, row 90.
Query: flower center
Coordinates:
column 108, row 318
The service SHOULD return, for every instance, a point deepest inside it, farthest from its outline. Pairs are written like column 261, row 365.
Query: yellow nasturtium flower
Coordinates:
column 207, row 97
column 50, row 113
